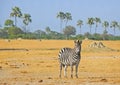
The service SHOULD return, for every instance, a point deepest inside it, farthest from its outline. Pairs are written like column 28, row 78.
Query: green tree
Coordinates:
column 69, row 30
column 114, row 25
column 90, row 22
column 67, row 17
column 9, row 22
column 16, row 12
column 119, row 26
column 97, row 21
column 3, row 33
column 26, row 20
column 105, row 25
column 47, row 30
column 13, row 32
column 61, row 15
column 80, row 23
column 39, row 34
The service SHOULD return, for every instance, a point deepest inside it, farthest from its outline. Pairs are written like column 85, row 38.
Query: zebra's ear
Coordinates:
column 76, row 41
column 80, row 42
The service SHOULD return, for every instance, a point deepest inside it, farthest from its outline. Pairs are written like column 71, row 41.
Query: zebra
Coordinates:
column 70, row 57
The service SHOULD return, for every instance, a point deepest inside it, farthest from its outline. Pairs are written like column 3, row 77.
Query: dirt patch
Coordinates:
column 13, row 49
column 40, row 81
column 97, row 45
column 104, row 80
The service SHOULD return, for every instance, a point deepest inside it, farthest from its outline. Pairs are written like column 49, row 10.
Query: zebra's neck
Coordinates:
column 77, row 50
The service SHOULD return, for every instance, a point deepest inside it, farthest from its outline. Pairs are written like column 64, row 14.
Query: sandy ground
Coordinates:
column 34, row 62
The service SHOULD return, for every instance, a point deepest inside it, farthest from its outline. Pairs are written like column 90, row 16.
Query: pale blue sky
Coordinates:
column 44, row 12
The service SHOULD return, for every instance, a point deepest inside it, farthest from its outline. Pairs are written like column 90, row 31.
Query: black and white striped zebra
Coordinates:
column 70, row 57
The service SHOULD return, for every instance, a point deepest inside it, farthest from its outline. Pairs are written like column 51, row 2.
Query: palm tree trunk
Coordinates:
column 80, row 30
column 95, row 30
column 90, row 30
column 15, row 21
column 114, row 32
column 61, row 30
column 25, row 31
column 66, row 23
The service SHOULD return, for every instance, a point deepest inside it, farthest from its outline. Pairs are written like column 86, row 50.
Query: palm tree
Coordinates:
column 26, row 20
column 61, row 15
column 114, row 25
column 97, row 20
column 48, row 30
column 16, row 12
column 80, row 23
column 90, row 22
column 105, row 25
column 67, row 17
column 119, row 26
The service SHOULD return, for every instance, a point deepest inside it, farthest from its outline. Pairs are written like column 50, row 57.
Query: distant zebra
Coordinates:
column 70, row 57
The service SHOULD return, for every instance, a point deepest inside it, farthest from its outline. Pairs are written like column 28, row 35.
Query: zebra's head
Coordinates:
column 77, row 45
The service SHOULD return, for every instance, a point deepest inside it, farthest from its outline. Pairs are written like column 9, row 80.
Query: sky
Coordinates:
column 43, row 12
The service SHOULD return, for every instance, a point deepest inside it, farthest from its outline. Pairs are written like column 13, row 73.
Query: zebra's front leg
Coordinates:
column 76, row 69
column 60, row 70
column 71, row 71
column 65, row 71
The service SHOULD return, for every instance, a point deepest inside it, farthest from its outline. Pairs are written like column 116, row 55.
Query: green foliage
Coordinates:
column 16, row 12
column 13, row 31
column 9, row 22
column 27, row 19
column 69, row 30
column 114, row 25
column 64, row 17
column 90, row 22
column 97, row 21
column 61, row 15
column 39, row 34
column 68, row 17
column 105, row 24
column 47, row 29
column 80, row 23
column 80, row 37
column 3, row 33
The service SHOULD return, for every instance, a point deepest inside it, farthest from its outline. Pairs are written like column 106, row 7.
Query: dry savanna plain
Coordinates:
column 34, row 62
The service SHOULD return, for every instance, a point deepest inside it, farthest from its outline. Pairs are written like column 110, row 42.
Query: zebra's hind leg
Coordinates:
column 76, row 69
column 71, row 71
column 65, row 71
column 60, row 70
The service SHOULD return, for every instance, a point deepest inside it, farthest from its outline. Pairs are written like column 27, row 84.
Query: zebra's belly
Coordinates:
column 65, row 62
column 69, row 62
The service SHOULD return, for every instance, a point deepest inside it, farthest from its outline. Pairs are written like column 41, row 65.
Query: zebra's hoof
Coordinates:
column 71, row 76
column 76, row 76
column 59, row 76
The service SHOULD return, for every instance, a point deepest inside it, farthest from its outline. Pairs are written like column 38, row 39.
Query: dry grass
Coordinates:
column 34, row 62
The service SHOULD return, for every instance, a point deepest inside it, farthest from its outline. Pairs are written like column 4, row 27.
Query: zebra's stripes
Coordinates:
column 70, row 57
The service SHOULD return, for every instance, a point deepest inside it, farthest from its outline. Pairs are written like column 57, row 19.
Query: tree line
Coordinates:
column 90, row 21
column 11, row 30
